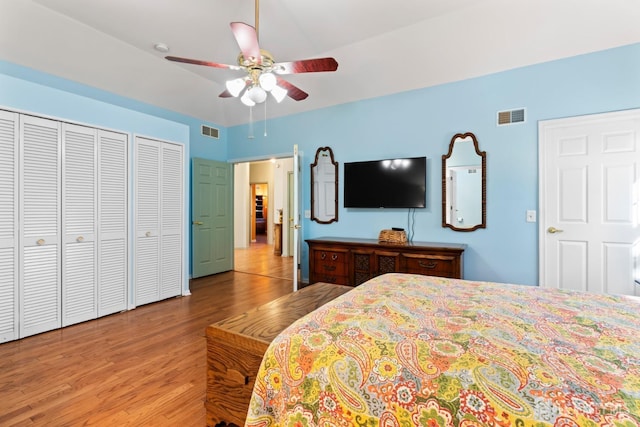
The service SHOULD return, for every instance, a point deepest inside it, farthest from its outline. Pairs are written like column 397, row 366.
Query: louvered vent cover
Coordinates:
column 210, row 132
column 511, row 117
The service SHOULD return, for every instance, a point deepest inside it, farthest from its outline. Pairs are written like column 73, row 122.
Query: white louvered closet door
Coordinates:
column 147, row 221
column 112, row 222
column 8, row 226
column 79, row 287
column 171, row 209
column 40, row 211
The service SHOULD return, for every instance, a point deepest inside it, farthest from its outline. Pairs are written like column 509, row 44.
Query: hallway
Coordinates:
column 259, row 259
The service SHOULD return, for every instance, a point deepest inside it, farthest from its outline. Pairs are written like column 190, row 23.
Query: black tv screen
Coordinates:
column 390, row 183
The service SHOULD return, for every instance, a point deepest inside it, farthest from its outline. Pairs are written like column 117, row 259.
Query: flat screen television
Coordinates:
column 390, row 183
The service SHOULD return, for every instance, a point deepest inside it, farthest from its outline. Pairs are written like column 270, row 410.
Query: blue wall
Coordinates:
column 415, row 123
column 422, row 122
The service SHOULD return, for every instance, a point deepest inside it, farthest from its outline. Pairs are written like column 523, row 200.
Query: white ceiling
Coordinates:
column 382, row 46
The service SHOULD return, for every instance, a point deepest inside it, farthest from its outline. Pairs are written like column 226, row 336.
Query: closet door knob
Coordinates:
column 40, row 242
column 80, row 239
column 148, row 234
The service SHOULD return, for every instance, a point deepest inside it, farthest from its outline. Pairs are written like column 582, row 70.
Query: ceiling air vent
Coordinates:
column 210, row 132
column 510, row 117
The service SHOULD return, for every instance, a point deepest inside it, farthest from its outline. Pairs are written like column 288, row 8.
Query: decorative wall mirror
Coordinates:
column 464, row 184
column 324, row 187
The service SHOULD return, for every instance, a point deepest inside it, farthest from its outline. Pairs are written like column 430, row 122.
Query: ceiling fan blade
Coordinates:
column 205, row 63
column 247, row 39
column 293, row 92
column 306, row 66
column 225, row 94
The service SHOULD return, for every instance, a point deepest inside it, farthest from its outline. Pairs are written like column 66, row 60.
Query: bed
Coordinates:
column 404, row 350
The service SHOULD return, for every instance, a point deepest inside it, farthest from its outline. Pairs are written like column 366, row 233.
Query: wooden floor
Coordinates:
column 144, row 367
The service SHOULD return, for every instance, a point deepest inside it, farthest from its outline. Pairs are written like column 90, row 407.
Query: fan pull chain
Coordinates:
column 250, row 123
column 265, row 119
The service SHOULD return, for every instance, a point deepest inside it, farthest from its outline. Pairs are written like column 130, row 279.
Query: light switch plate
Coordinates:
column 531, row 216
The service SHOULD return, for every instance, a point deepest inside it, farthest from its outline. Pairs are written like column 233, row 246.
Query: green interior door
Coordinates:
column 212, row 213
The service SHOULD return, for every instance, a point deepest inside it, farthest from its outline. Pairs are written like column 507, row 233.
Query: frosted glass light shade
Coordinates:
column 235, row 86
column 246, row 100
column 267, row 81
column 278, row 93
column 257, row 94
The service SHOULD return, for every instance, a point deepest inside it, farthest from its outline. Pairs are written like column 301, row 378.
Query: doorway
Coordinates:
column 260, row 215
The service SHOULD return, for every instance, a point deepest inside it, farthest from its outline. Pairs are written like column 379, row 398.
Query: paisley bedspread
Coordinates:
column 404, row 350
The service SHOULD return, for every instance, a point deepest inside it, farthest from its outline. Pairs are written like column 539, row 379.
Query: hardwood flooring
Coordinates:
column 144, row 367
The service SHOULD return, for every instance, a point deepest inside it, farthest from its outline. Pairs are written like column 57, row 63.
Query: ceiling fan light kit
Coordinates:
column 262, row 72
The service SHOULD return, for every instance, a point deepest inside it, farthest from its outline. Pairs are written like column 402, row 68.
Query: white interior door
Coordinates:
column 8, row 226
column 79, row 188
column 589, row 171
column 40, row 216
column 296, row 217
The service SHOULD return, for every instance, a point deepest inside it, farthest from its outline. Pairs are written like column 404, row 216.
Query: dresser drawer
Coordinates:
column 330, row 263
column 430, row 265
column 329, row 278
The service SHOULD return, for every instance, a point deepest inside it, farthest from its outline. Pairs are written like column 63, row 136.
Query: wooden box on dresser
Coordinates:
column 350, row 261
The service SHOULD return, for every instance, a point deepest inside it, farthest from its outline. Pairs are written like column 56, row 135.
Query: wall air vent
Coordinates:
column 210, row 132
column 511, row 117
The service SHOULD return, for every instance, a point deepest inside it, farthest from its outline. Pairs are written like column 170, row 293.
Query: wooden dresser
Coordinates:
column 354, row 261
column 235, row 347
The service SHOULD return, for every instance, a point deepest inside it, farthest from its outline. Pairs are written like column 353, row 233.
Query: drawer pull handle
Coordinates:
column 329, row 267
column 237, row 377
column 323, row 255
column 427, row 265
column 334, row 257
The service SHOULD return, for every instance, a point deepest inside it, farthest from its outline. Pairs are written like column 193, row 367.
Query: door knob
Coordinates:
column 197, row 222
column 554, row 230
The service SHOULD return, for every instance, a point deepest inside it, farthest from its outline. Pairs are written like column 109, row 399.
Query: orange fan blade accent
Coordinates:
column 247, row 40
column 293, row 92
column 306, row 66
column 205, row 63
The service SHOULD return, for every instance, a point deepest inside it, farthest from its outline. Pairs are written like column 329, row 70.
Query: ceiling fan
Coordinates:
column 262, row 71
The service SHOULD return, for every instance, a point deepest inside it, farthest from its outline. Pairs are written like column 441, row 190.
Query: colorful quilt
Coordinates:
column 405, row 350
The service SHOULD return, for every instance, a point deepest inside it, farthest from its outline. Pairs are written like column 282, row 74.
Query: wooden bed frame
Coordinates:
column 235, row 347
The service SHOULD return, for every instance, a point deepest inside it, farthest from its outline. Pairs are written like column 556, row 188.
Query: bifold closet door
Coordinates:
column 79, row 188
column 171, row 223
column 94, row 219
column 113, row 208
column 147, row 206
column 8, row 226
column 158, row 227
column 40, row 290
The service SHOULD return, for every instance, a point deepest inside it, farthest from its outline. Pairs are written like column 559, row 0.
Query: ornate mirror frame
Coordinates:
column 323, row 211
column 459, row 137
